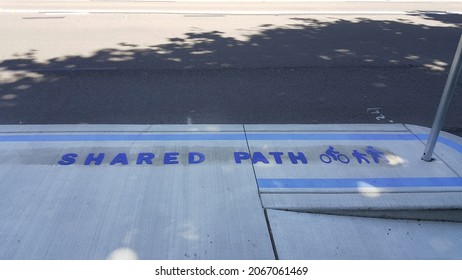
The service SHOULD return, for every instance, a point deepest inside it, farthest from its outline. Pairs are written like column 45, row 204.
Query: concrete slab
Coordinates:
column 394, row 182
column 315, row 236
column 363, row 201
column 145, row 195
column 200, row 192
column 358, row 162
column 448, row 148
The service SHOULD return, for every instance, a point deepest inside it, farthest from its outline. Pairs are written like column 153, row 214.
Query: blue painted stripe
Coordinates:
column 221, row 136
column 359, row 136
column 118, row 137
column 356, row 182
column 330, row 136
column 451, row 144
column 456, row 146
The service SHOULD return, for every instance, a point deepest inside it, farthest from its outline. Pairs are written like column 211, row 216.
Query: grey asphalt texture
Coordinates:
column 364, row 71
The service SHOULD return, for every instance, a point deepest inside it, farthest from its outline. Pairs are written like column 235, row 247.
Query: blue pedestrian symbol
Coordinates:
column 360, row 157
column 333, row 155
column 376, row 155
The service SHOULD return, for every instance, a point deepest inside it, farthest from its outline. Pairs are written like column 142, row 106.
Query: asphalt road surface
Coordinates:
column 175, row 63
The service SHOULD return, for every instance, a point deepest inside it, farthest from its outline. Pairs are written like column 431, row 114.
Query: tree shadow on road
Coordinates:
column 308, row 71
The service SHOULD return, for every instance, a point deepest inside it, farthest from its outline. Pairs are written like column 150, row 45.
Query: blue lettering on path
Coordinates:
column 120, row 159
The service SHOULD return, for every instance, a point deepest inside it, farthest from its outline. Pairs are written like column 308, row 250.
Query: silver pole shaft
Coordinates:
column 444, row 103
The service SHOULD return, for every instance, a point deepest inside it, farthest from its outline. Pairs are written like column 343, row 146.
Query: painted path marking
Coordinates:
column 357, row 182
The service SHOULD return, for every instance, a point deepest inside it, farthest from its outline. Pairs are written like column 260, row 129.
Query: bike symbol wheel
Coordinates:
column 343, row 158
column 325, row 158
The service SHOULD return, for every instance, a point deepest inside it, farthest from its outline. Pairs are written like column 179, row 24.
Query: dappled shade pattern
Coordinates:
column 306, row 72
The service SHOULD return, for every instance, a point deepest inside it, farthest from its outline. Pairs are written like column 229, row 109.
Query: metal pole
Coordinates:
column 444, row 103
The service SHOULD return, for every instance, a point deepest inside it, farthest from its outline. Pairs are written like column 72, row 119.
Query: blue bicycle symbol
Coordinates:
column 332, row 155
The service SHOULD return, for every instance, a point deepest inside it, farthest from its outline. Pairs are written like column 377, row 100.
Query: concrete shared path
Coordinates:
column 228, row 192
